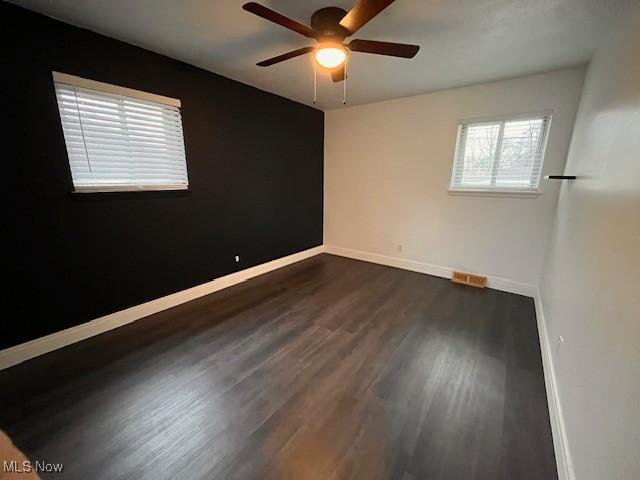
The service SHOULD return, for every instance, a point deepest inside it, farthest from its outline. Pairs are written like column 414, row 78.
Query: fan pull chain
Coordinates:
column 344, row 87
column 315, row 83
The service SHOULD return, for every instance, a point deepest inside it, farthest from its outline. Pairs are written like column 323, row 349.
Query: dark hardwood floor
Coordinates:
column 327, row 369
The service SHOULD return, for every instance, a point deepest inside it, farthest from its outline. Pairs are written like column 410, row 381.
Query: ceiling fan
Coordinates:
column 330, row 26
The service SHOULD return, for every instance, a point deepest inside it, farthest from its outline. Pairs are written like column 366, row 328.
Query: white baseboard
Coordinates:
column 39, row 346
column 560, row 441
column 497, row 283
column 25, row 351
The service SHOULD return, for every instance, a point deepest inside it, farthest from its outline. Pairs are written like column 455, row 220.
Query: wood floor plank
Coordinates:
column 328, row 369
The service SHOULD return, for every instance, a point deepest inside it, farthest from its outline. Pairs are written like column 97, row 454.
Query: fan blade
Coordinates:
column 362, row 12
column 285, row 56
column 384, row 48
column 281, row 20
column 338, row 73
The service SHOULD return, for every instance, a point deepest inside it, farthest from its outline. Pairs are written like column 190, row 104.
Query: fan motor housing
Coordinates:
column 326, row 23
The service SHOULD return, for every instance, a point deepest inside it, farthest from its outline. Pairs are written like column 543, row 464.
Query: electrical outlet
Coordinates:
column 237, row 258
column 399, row 248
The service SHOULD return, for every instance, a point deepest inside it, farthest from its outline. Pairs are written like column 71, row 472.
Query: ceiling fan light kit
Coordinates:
column 330, row 26
column 330, row 55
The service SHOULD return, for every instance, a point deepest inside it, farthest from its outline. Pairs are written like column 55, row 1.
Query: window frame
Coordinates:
column 103, row 87
column 501, row 119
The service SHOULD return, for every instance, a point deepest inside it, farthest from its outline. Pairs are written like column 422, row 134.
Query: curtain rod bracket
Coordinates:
column 560, row 177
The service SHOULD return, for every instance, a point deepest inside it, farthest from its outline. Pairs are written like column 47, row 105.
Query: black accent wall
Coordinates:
column 255, row 163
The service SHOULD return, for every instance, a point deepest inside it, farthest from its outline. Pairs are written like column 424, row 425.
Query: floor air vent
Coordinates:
column 469, row 279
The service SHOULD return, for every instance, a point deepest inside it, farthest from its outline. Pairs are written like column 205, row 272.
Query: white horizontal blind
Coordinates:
column 500, row 155
column 117, row 142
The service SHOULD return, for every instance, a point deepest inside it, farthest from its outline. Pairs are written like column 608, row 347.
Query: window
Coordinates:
column 500, row 156
column 119, row 139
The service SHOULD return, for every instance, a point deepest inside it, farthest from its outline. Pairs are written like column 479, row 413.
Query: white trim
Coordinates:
column 560, row 441
column 115, row 89
column 509, row 117
column 129, row 188
column 20, row 353
column 545, row 143
column 496, row 283
column 39, row 346
column 496, row 192
column 456, row 151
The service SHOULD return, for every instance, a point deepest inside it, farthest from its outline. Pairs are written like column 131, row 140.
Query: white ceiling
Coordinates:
column 463, row 41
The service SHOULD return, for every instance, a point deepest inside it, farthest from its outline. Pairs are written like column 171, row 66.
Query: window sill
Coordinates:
column 486, row 192
column 101, row 194
column 129, row 189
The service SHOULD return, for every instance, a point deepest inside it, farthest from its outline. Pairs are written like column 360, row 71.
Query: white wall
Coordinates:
column 591, row 284
column 388, row 167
